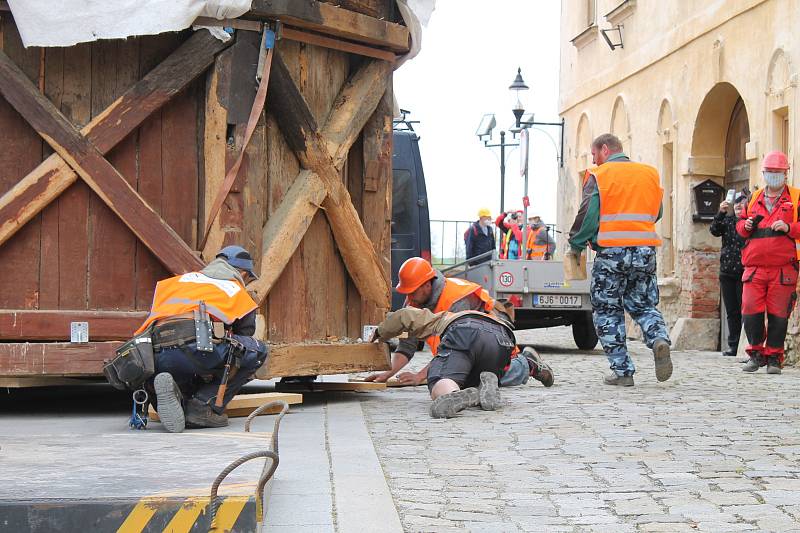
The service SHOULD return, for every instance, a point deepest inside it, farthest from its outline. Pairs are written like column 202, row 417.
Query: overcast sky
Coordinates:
column 470, row 53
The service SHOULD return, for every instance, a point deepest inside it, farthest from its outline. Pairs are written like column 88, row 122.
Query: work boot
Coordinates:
column 540, row 371
column 200, row 415
column 489, row 392
column 447, row 405
column 662, row 360
column 616, row 379
column 169, row 398
column 773, row 366
column 730, row 352
column 753, row 364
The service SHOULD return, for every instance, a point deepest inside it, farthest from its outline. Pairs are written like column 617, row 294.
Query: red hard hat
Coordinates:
column 413, row 273
column 775, row 160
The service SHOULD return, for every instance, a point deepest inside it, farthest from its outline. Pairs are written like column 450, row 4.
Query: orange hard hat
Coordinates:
column 775, row 160
column 413, row 273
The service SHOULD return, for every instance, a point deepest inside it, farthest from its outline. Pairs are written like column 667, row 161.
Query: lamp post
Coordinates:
column 488, row 122
column 518, row 89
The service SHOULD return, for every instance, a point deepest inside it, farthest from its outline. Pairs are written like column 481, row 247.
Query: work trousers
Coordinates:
column 731, row 289
column 470, row 346
column 770, row 290
column 198, row 374
column 624, row 279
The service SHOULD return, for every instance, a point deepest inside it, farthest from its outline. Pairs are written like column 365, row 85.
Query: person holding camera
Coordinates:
column 510, row 226
column 770, row 258
column 730, row 265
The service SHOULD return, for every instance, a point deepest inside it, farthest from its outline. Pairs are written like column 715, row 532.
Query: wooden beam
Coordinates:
column 300, row 130
column 336, row 44
column 243, row 404
column 54, row 359
column 55, row 325
column 334, row 21
column 320, row 359
column 353, row 107
column 323, row 386
column 285, row 229
column 36, row 190
column 98, row 173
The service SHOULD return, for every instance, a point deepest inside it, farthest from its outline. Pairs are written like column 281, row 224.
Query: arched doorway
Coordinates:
column 737, row 168
column 721, row 133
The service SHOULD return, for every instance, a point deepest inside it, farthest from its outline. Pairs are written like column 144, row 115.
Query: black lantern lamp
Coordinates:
column 517, row 88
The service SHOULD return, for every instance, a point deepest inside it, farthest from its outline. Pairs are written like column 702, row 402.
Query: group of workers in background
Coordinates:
column 480, row 237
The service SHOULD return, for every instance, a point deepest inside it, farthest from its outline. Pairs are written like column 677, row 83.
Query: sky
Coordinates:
column 470, row 54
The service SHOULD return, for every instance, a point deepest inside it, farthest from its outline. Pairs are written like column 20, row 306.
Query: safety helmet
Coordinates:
column 775, row 160
column 413, row 273
column 238, row 257
column 484, row 212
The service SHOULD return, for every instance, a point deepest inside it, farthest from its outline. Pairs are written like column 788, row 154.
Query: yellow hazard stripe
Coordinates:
column 140, row 515
column 186, row 516
column 228, row 513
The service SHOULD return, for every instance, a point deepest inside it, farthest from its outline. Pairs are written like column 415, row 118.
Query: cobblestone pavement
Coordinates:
column 713, row 449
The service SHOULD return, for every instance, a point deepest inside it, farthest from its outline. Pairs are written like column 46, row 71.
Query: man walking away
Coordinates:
column 479, row 237
column 620, row 205
column 769, row 223
column 730, row 268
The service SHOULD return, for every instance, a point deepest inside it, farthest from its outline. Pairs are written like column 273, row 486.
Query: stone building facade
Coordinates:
column 701, row 90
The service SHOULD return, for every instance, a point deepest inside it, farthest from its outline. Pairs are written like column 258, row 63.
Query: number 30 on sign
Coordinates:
column 506, row 279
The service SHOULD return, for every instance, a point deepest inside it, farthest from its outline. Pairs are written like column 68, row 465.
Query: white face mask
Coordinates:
column 774, row 179
column 485, row 222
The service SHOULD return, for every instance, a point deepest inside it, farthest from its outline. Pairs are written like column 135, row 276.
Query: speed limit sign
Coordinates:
column 506, row 279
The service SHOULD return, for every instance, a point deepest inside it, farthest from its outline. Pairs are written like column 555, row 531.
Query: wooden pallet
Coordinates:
column 244, row 404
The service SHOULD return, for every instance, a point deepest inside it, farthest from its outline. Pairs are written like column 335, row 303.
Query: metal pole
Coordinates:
column 561, row 153
column 527, row 149
column 502, row 171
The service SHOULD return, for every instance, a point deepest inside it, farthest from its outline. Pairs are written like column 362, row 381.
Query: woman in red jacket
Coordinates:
column 769, row 225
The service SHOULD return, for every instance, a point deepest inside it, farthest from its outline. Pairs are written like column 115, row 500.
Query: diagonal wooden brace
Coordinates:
column 44, row 183
column 353, row 107
column 98, row 173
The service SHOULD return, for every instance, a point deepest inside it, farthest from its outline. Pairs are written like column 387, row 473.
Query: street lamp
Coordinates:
column 517, row 89
column 488, row 123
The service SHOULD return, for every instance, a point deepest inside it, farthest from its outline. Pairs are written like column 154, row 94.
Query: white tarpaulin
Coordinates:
column 415, row 13
column 68, row 22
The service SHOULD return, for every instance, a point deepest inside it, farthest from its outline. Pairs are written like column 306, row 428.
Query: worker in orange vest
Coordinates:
column 770, row 256
column 427, row 288
column 620, row 205
column 540, row 245
column 190, row 367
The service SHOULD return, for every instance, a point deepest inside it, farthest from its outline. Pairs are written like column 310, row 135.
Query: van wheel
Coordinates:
column 584, row 333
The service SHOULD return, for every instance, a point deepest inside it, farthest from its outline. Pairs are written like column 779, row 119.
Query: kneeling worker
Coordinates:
column 192, row 366
column 475, row 349
column 427, row 288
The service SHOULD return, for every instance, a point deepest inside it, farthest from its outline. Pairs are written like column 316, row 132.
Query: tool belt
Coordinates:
column 133, row 365
column 173, row 333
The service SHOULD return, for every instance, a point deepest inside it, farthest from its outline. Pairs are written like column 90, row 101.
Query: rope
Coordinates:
column 269, row 466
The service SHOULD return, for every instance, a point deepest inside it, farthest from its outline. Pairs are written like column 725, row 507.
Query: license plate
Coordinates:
column 557, row 300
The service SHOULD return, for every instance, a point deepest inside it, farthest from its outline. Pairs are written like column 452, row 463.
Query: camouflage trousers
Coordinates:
column 624, row 279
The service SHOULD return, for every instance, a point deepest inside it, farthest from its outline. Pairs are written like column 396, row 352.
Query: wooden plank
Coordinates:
column 53, row 176
column 379, row 9
column 354, row 173
column 112, row 246
column 21, row 151
column 392, row 383
column 330, row 20
column 103, row 178
column 324, row 386
column 20, row 383
column 336, row 44
column 54, row 359
column 285, row 229
column 242, row 405
column 19, row 324
column 73, row 204
column 321, row 359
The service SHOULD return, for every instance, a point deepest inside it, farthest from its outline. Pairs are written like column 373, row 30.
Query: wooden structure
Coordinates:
column 113, row 152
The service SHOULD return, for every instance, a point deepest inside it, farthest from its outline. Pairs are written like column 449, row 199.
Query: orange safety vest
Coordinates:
column 630, row 199
column 454, row 290
column 225, row 300
column 794, row 194
column 536, row 251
